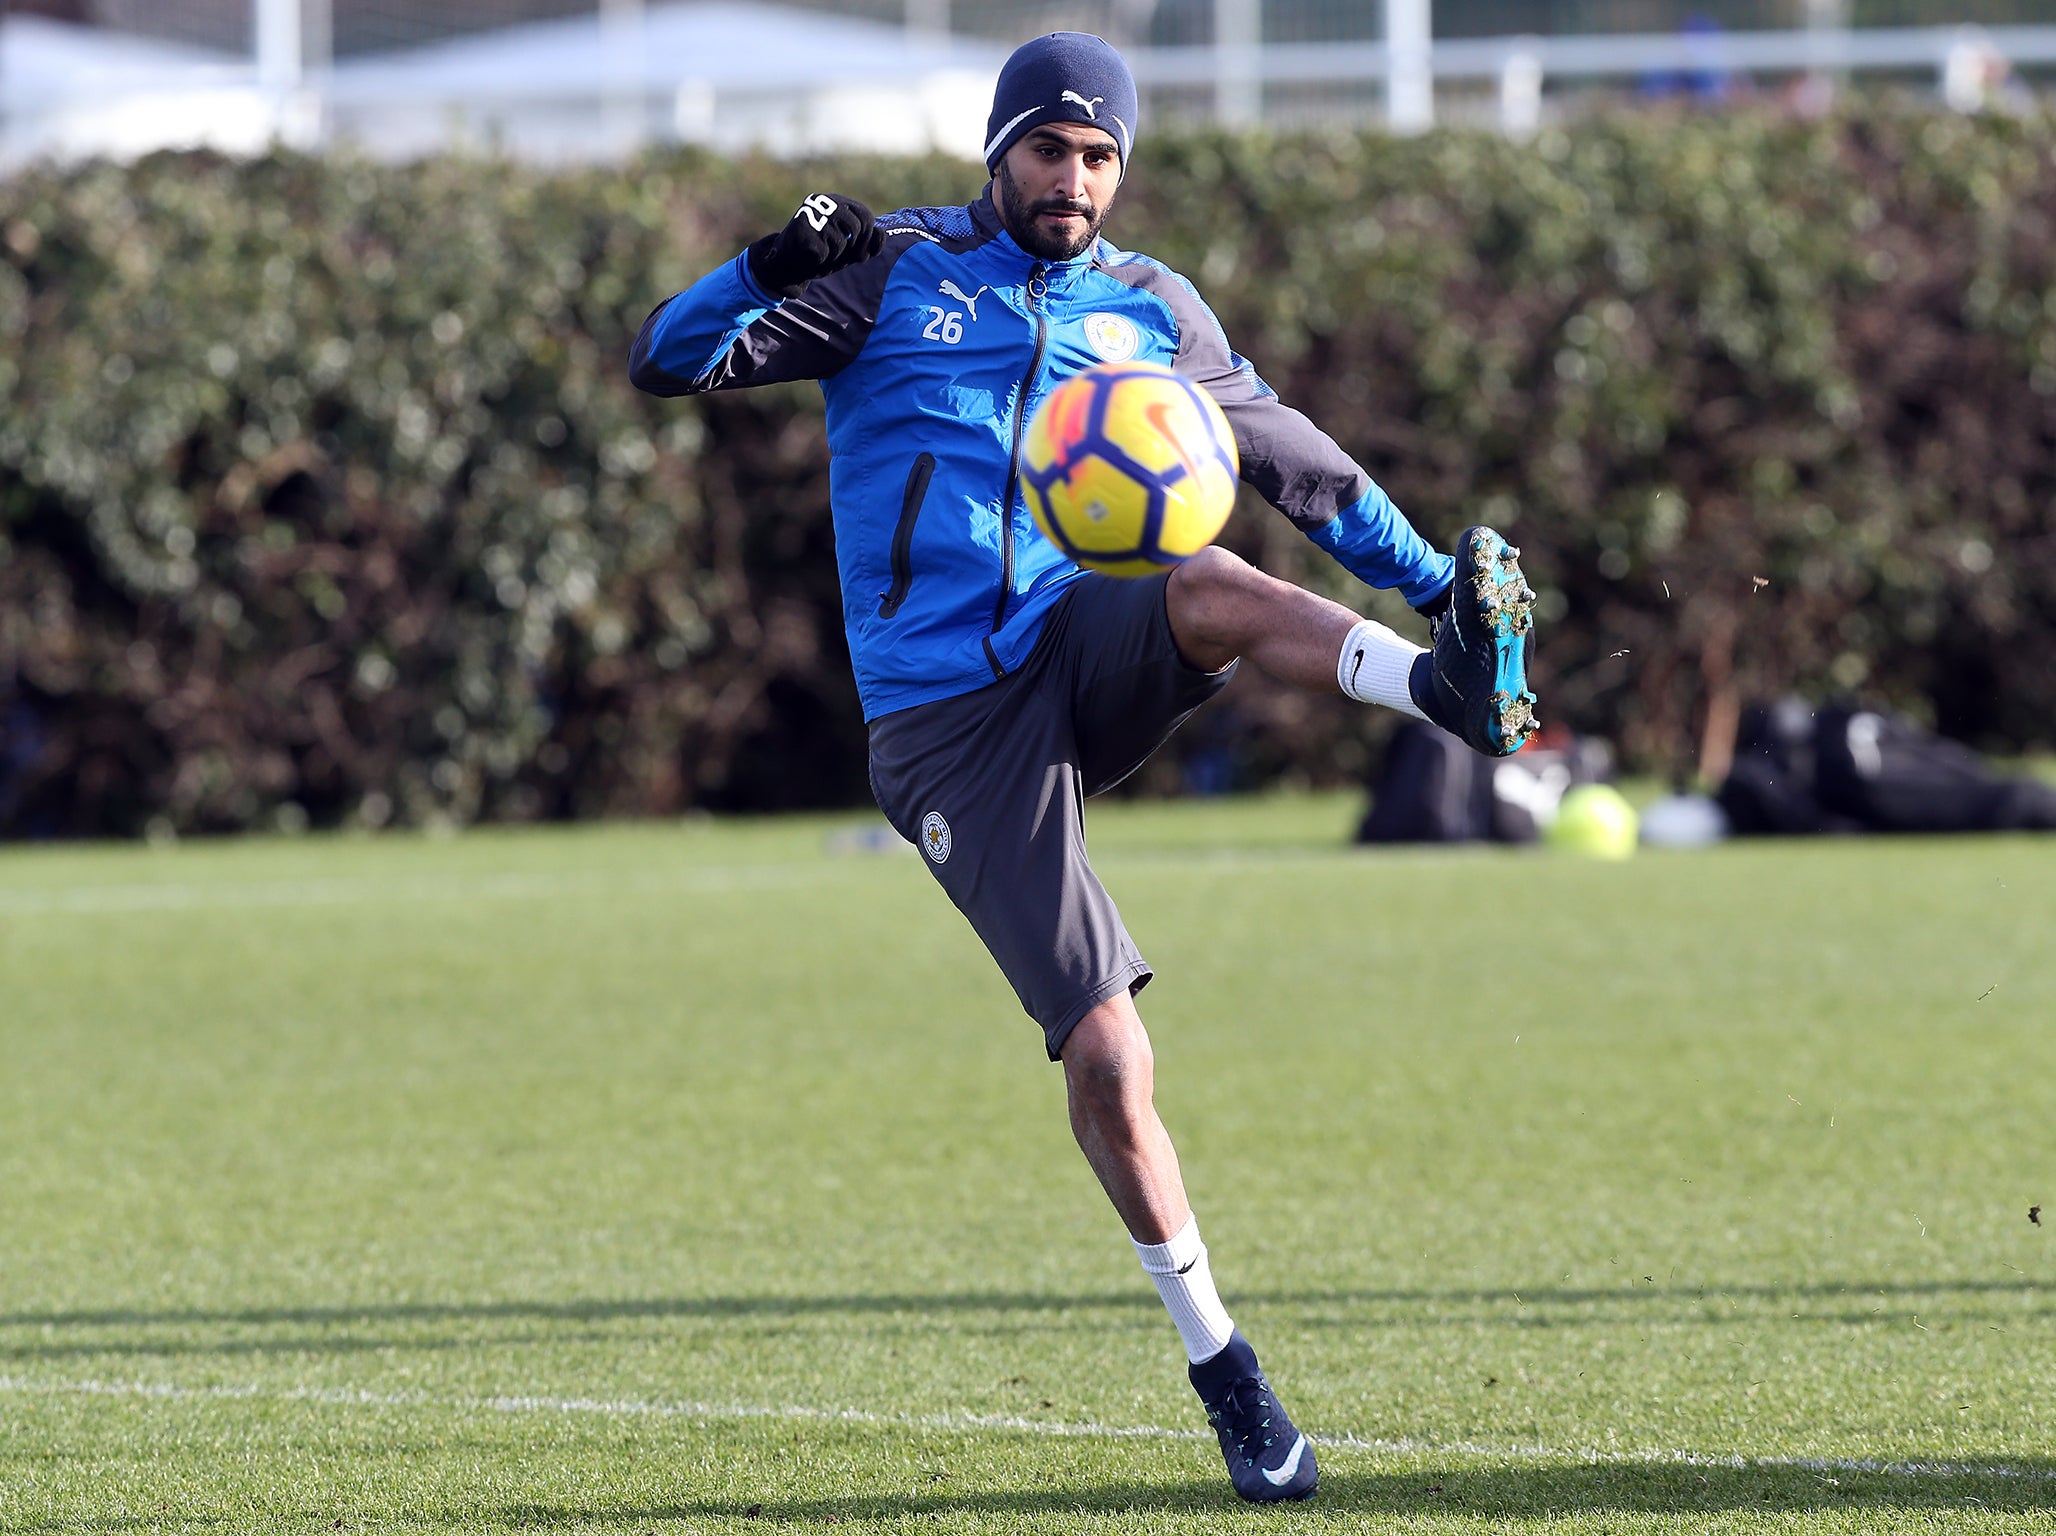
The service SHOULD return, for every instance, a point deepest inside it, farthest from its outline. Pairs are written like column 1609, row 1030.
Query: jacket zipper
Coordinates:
column 1038, row 288
column 903, row 535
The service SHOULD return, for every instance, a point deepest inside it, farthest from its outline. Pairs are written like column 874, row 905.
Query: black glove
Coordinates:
column 826, row 235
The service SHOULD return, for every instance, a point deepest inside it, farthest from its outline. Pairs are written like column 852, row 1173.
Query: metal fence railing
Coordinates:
column 571, row 79
column 1969, row 68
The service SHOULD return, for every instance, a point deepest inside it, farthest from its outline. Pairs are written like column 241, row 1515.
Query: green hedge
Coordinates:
column 323, row 496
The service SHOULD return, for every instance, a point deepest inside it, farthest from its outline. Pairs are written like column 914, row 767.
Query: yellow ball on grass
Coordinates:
column 1596, row 821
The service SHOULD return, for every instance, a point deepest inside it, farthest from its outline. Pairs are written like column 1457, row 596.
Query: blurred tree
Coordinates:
column 324, row 498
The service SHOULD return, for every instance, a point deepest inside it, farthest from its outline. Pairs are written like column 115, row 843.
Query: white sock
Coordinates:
column 1179, row 1270
column 1374, row 665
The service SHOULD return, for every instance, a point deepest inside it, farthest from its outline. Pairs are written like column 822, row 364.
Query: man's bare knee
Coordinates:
column 1214, row 565
column 1207, row 600
column 1211, row 577
column 1109, row 1066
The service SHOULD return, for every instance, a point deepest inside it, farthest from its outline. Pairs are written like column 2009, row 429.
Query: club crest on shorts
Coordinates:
column 1113, row 337
column 935, row 837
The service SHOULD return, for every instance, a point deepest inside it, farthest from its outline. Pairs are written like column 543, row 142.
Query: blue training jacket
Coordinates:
column 932, row 356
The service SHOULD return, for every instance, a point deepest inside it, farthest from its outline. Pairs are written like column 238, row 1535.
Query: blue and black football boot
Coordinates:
column 1474, row 684
column 1268, row 1460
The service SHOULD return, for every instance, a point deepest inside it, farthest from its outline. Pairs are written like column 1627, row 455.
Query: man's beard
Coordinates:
column 1019, row 216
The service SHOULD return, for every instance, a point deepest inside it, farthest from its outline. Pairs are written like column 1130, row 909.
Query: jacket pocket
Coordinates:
column 903, row 535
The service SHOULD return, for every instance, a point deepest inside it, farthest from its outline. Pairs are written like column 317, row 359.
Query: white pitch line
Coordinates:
column 343, row 890
column 514, row 885
column 1014, row 1424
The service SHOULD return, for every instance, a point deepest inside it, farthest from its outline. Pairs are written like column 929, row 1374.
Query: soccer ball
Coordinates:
column 1129, row 468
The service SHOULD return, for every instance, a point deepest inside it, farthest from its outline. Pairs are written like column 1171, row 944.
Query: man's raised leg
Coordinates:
column 1472, row 684
column 1222, row 607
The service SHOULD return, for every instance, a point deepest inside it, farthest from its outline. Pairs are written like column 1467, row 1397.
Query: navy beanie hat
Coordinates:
column 1066, row 77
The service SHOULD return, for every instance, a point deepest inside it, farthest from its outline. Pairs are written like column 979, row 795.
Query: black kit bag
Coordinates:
column 1857, row 770
column 1770, row 788
column 1889, row 775
column 1432, row 788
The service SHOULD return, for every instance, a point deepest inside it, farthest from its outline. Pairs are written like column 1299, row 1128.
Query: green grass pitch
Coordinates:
column 699, row 1177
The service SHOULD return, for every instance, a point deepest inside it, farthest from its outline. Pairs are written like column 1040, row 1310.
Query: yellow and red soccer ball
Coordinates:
column 1129, row 468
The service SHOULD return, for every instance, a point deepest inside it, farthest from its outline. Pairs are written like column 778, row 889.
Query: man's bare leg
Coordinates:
column 1223, row 607
column 1474, row 685
column 1110, row 1074
column 1109, row 1071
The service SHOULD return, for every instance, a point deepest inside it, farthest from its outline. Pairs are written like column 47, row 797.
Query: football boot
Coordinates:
column 1268, row 1460
column 1474, row 683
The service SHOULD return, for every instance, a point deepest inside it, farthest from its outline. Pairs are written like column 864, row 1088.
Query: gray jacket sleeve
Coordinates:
column 724, row 332
column 1292, row 463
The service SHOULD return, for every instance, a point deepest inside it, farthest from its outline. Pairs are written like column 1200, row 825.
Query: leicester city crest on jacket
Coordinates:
column 1113, row 337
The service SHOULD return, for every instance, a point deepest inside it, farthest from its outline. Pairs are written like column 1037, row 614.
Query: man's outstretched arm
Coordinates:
column 765, row 318
column 1474, row 683
column 1296, row 466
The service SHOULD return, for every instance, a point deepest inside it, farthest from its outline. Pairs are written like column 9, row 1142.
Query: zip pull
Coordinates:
column 1038, row 287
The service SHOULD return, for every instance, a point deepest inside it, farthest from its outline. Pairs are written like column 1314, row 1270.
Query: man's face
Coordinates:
column 1055, row 187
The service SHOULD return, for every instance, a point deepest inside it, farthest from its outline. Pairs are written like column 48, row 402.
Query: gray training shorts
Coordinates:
column 991, row 787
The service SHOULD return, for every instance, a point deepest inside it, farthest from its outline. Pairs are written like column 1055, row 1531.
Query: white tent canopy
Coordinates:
column 737, row 44
column 729, row 73
column 726, row 72
column 44, row 63
column 69, row 91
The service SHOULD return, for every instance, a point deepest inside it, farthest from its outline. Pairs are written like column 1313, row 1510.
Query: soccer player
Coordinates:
column 1001, row 683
